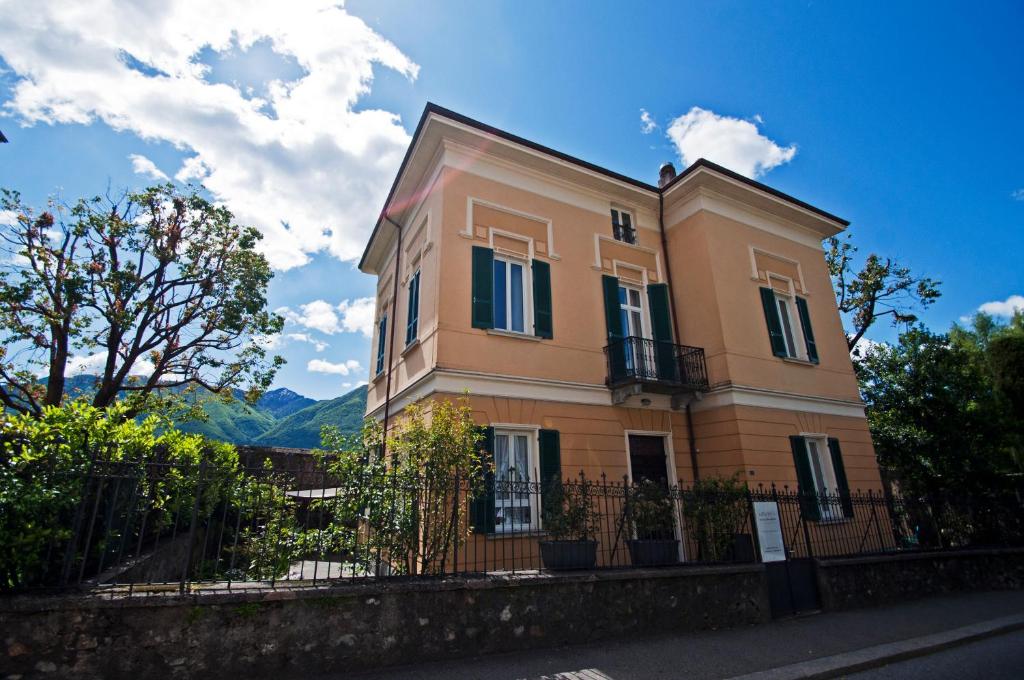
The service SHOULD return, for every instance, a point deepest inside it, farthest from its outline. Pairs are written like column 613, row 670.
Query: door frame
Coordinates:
column 670, row 467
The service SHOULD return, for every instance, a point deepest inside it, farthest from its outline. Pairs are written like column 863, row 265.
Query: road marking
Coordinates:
column 582, row 674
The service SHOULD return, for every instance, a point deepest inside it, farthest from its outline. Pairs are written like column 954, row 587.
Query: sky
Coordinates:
column 296, row 116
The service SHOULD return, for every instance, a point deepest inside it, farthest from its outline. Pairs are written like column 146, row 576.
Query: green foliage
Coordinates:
column 406, row 511
column 650, row 511
column 570, row 511
column 157, row 277
column 882, row 287
column 716, row 508
column 44, row 462
column 937, row 410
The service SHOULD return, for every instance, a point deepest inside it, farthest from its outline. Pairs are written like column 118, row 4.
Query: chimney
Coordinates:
column 666, row 174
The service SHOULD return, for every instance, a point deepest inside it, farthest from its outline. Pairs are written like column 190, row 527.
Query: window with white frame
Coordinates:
column 412, row 325
column 622, row 226
column 823, row 475
column 789, row 321
column 382, row 327
column 787, row 317
column 511, row 303
column 513, row 469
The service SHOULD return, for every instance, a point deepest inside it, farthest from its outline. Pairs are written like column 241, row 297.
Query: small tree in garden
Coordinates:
column 715, row 509
column 569, row 511
column 409, row 510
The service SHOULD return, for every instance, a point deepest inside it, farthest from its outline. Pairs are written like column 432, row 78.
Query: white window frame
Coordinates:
column 785, row 303
column 527, row 294
column 823, row 475
column 619, row 212
column 415, row 278
column 532, row 489
column 382, row 345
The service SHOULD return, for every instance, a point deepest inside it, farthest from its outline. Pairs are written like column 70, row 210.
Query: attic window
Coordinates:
column 622, row 226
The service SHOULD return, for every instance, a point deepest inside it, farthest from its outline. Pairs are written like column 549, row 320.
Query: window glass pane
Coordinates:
column 501, row 465
column 500, row 311
column 787, row 327
column 634, row 298
column 622, row 295
column 627, row 220
column 636, row 325
column 615, row 217
column 624, row 316
column 516, row 271
column 816, row 468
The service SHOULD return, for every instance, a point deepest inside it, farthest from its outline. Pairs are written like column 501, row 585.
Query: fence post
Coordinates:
column 753, row 525
column 186, row 568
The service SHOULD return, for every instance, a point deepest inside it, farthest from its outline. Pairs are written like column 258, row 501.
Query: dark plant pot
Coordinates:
column 653, row 553
column 568, row 554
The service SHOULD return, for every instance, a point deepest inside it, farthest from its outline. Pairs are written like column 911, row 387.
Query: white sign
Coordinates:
column 769, row 531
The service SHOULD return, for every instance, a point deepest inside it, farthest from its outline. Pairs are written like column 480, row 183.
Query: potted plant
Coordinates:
column 650, row 515
column 571, row 522
column 716, row 511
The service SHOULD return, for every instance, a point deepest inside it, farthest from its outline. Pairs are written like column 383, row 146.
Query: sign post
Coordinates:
column 769, row 531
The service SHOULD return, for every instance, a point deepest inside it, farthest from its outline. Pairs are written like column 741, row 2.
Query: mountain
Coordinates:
column 280, row 417
column 302, row 428
column 282, row 402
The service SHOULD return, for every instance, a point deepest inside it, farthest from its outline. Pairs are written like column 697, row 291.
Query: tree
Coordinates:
column 936, row 421
column 161, row 288
column 882, row 287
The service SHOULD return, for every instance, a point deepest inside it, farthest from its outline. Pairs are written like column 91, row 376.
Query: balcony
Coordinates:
column 638, row 365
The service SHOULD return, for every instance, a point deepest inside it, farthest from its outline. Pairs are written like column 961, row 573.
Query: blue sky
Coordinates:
column 906, row 122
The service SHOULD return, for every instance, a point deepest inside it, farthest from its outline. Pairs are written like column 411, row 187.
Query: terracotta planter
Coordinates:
column 562, row 555
column 653, row 553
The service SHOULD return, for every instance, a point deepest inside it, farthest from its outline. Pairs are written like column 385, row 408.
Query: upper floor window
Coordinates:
column 622, row 226
column 510, row 303
column 511, row 293
column 382, row 327
column 789, row 324
column 412, row 325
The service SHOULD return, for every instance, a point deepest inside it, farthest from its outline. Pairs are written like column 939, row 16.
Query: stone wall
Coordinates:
column 292, row 633
column 867, row 581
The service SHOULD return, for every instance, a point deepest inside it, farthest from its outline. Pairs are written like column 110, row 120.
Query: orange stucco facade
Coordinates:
column 716, row 240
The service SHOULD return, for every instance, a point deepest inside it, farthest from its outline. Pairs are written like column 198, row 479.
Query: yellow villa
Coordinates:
column 604, row 324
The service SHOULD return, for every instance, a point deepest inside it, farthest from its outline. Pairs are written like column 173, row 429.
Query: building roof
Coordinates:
column 432, row 109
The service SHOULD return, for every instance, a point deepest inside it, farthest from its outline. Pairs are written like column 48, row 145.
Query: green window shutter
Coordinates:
column 483, row 287
column 771, row 315
column 805, row 480
column 840, row 472
column 661, row 325
column 805, row 323
column 542, row 321
column 481, row 506
column 613, row 320
column 550, row 467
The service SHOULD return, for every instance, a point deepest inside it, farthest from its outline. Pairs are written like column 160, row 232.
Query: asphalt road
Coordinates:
column 997, row 658
column 726, row 653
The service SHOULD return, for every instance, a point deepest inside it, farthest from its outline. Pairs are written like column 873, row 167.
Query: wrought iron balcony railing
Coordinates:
column 663, row 365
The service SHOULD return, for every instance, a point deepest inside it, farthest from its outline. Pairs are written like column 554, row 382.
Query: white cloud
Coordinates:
column 737, row 144
column 351, row 316
column 647, row 124
column 92, row 364
column 1007, row 307
column 343, row 368
column 301, row 163
column 8, row 217
column 1017, row 195
column 357, row 315
column 143, row 166
column 319, row 345
column 863, row 347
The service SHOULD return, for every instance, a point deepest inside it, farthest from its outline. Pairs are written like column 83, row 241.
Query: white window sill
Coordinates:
column 376, row 379
column 513, row 334
column 410, row 347
column 799, row 362
column 516, row 533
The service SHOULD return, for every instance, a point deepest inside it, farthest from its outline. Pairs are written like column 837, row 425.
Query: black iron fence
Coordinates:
column 635, row 359
column 142, row 528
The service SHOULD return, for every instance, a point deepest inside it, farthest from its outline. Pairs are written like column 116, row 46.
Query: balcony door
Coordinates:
column 631, row 311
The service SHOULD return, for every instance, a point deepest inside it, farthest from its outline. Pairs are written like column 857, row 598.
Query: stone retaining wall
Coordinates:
column 866, row 581
column 292, row 633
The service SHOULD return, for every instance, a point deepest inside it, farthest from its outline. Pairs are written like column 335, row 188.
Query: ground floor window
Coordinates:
column 513, row 498
column 823, row 477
